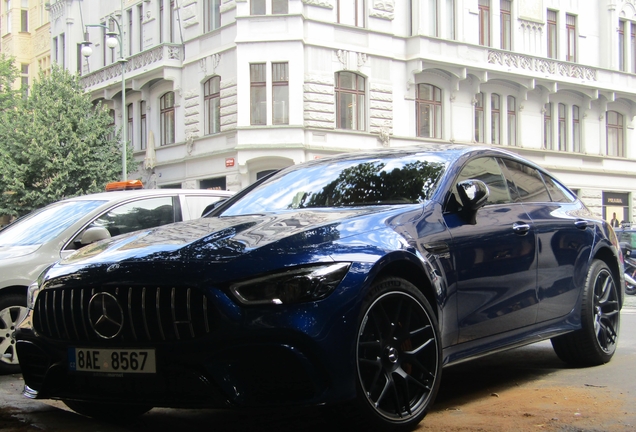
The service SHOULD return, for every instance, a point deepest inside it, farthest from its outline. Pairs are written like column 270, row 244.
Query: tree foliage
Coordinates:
column 60, row 144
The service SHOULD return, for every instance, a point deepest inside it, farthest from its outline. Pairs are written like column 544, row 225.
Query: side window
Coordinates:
column 137, row 215
column 558, row 193
column 528, row 181
column 198, row 204
column 487, row 170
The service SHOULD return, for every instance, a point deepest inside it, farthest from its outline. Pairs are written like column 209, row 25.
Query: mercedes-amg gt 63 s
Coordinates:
column 349, row 281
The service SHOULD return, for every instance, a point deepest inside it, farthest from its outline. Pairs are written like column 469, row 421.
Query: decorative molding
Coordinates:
column 228, row 105
column 327, row 4
column 188, row 14
column 384, row 9
column 227, row 6
column 541, row 65
column 57, row 9
column 347, row 58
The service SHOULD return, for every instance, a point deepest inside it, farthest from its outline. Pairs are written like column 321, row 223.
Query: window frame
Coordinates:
column 548, row 143
column 143, row 131
column 484, row 23
column 436, row 107
column 619, row 127
column 552, row 34
column 576, row 129
column 495, row 118
column 511, row 120
column 359, row 8
column 258, row 87
column 479, row 118
column 506, row 24
column 359, row 98
column 570, row 29
column 562, row 134
column 212, row 123
column 167, row 118
column 211, row 15
column 279, row 83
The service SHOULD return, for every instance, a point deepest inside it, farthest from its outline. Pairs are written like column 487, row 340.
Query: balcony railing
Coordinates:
column 541, row 65
column 135, row 63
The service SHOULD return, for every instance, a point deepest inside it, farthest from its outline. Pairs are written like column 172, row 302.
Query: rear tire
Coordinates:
column 595, row 342
column 113, row 413
column 12, row 311
column 398, row 358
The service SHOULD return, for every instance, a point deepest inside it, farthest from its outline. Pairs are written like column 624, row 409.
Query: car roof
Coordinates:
column 122, row 195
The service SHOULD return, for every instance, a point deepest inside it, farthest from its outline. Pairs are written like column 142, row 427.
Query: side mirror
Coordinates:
column 93, row 234
column 473, row 194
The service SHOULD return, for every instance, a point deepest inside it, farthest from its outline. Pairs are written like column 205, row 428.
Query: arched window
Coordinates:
column 212, row 105
column 350, row 101
column 166, row 113
column 512, row 121
column 479, row 117
column 429, row 111
column 111, row 114
column 615, row 143
column 129, row 132
column 495, row 118
column 547, row 127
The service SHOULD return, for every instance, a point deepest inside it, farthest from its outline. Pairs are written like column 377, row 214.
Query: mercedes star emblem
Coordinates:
column 105, row 315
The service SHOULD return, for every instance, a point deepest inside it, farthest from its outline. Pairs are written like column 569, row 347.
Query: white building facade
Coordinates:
column 225, row 91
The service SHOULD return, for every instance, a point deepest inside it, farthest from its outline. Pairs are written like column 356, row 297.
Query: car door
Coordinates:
column 564, row 237
column 494, row 258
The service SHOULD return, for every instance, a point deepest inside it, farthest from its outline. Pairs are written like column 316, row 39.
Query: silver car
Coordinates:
column 44, row 236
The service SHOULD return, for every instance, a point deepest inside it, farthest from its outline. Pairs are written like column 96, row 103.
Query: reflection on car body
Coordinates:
column 350, row 280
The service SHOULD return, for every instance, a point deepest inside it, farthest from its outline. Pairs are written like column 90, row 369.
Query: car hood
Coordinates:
column 222, row 239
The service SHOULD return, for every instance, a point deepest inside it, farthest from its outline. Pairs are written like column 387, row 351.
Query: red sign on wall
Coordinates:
column 229, row 162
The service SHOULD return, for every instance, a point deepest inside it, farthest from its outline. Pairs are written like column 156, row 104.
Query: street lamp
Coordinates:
column 114, row 38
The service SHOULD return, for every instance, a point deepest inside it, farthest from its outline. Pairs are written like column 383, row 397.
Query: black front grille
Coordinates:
column 152, row 314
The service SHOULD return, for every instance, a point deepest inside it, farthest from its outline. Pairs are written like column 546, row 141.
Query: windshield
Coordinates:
column 41, row 226
column 345, row 183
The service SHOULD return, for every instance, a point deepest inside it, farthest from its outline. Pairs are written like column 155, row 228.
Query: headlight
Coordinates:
column 34, row 288
column 291, row 286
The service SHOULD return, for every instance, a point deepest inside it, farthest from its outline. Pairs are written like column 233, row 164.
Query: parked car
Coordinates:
column 348, row 281
column 30, row 244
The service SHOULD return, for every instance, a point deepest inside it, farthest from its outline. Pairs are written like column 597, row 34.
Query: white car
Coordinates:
column 47, row 235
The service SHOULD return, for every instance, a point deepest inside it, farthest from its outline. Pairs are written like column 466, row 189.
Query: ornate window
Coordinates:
column 479, row 118
column 621, row 45
column 429, row 111
column 350, row 101
column 166, row 114
column 212, row 105
column 615, row 143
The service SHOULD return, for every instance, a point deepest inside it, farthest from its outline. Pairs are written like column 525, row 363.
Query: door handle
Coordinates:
column 521, row 228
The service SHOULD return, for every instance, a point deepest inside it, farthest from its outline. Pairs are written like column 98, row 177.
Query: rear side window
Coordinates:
column 558, row 193
column 529, row 182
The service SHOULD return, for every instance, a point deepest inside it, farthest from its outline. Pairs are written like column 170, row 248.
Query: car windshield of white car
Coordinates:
column 345, row 183
column 43, row 225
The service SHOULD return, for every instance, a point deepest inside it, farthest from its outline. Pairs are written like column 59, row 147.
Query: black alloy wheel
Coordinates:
column 398, row 356
column 595, row 343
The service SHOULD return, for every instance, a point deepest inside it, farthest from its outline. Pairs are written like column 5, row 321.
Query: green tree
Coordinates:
column 62, row 145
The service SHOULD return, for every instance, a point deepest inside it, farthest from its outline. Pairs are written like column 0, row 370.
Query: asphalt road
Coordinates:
column 523, row 389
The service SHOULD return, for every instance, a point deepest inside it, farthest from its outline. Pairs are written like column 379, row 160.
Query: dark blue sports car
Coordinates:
column 346, row 281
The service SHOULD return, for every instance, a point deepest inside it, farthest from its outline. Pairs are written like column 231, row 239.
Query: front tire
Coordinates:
column 114, row 413
column 398, row 357
column 12, row 311
column 595, row 342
